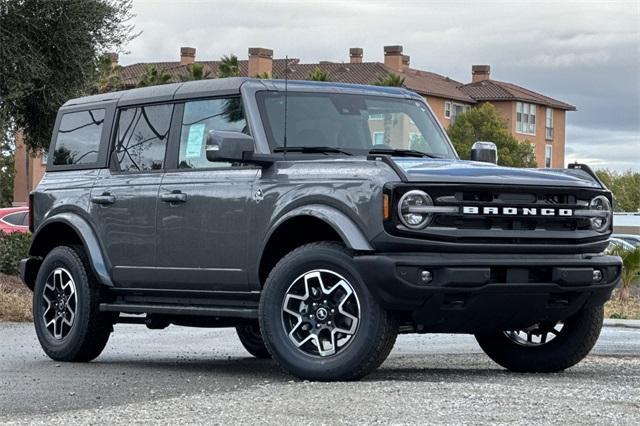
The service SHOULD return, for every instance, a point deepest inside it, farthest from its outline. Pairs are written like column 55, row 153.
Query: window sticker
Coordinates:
column 195, row 140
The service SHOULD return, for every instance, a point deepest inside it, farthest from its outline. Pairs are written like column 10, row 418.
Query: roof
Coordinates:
column 493, row 90
column 422, row 82
column 131, row 73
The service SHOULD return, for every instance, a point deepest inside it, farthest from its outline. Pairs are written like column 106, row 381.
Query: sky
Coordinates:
column 586, row 53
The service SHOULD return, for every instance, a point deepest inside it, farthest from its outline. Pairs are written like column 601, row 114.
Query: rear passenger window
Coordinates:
column 78, row 139
column 17, row 219
column 201, row 117
column 141, row 138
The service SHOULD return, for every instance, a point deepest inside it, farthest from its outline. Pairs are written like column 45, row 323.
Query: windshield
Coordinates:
column 352, row 123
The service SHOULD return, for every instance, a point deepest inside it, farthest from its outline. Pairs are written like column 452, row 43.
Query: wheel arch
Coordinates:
column 306, row 224
column 70, row 229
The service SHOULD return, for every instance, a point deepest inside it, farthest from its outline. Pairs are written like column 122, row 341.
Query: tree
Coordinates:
column 318, row 75
column 484, row 123
column 228, row 66
column 153, row 76
column 625, row 187
column 195, row 71
column 50, row 52
column 109, row 79
column 630, row 270
column 265, row 75
column 391, row 80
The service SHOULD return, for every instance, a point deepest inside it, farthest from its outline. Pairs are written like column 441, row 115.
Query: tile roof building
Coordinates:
column 531, row 116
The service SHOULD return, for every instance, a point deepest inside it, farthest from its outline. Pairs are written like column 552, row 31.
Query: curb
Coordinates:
column 622, row 323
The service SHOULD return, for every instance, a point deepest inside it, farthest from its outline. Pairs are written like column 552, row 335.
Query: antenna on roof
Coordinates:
column 286, row 80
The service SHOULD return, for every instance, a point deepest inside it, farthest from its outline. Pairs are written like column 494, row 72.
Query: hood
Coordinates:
column 472, row 172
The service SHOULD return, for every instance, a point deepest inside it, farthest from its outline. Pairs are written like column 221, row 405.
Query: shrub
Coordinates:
column 13, row 248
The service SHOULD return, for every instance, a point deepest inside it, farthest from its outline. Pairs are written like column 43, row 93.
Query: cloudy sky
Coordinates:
column 586, row 53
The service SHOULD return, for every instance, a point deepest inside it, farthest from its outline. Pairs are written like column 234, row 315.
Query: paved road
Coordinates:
column 182, row 375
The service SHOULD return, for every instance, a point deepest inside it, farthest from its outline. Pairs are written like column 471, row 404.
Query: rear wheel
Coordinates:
column 66, row 298
column 251, row 339
column 545, row 347
column 319, row 320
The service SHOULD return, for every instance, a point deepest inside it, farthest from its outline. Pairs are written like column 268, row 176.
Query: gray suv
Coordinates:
column 320, row 220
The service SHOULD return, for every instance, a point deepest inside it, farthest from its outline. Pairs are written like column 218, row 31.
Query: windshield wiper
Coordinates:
column 311, row 149
column 401, row 152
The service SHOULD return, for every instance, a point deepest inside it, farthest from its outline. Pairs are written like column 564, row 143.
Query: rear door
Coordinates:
column 204, row 208
column 124, row 197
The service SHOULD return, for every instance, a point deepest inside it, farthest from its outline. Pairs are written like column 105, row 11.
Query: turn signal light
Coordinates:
column 385, row 207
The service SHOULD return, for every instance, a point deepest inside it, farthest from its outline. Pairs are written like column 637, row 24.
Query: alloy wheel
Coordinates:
column 59, row 309
column 321, row 313
column 536, row 335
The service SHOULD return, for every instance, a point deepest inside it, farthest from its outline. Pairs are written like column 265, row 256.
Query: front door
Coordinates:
column 204, row 208
column 124, row 198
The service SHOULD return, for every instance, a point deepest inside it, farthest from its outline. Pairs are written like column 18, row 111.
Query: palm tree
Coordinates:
column 195, row 71
column 109, row 79
column 318, row 75
column 228, row 66
column 630, row 270
column 153, row 76
column 391, row 80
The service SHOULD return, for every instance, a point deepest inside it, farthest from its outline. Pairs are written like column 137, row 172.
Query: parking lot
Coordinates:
column 183, row 375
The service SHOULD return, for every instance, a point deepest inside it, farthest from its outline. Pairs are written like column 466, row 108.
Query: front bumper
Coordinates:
column 472, row 293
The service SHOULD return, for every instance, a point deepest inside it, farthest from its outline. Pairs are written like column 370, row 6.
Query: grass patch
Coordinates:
column 616, row 310
column 15, row 299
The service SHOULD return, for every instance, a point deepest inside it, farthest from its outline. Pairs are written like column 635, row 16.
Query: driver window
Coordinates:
column 199, row 118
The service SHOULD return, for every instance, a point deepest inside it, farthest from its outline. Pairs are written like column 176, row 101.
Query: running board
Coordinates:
column 180, row 310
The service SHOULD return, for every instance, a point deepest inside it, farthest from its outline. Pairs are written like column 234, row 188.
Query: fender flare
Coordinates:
column 350, row 233
column 85, row 232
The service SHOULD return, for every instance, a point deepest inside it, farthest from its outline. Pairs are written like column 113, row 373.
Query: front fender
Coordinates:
column 352, row 236
column 83, row 230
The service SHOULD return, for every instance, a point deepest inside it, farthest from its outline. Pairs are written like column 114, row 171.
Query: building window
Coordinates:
column 548, row 152
column 378, row 138
column 376, row 117
column 548, row 125
column 525, row 118
column 452, row 110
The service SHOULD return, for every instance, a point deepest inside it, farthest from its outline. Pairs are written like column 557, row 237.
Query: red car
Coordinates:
column 14, row 219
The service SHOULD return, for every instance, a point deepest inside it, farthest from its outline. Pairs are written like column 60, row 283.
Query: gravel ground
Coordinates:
column 195, row 376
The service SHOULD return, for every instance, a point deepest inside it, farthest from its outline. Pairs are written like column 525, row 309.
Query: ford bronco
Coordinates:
column 320, row 220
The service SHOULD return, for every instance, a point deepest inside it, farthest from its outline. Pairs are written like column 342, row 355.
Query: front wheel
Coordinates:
column 318, row 319
column 545, row 347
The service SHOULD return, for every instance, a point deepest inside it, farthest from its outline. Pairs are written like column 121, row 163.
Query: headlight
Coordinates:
column 411, row 209
column 601, row 207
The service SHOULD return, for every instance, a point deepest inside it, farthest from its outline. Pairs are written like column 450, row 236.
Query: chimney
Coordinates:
column 480, row 73
column 113, row 58
column 405, row 61
column 355, row 55
column 187, row 55
column 393, row 58
column 260, row 61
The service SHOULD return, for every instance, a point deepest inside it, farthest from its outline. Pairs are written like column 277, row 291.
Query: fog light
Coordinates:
column 426, row 276
column 597, row 275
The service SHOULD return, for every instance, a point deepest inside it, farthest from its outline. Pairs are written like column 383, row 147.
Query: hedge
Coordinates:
column 13, row 248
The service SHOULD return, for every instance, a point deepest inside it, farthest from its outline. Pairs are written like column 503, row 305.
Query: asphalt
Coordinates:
column 195, row 376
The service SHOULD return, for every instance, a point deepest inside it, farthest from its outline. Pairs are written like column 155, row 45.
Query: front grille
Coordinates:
column 514, row 228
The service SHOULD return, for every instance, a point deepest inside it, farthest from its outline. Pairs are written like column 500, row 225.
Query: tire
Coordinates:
column 368, row 339
column 87, row 335
column 251, row 339
column 572, row 343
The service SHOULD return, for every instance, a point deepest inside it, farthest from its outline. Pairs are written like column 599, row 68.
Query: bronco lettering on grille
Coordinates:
column 515, row 211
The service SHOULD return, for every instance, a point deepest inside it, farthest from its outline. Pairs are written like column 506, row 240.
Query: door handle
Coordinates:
column 174, row 197
column 103, row 199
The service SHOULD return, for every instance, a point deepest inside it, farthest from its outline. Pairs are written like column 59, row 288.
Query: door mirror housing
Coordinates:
column 233, row 147
column 484, row 151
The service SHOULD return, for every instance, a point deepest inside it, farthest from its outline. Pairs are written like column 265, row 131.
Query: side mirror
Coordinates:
column 484, row 151
column 228, row 146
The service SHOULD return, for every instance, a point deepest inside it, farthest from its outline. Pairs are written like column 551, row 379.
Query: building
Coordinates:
column 531, row 116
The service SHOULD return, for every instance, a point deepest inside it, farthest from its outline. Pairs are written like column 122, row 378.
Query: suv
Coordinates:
column 320, row 220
